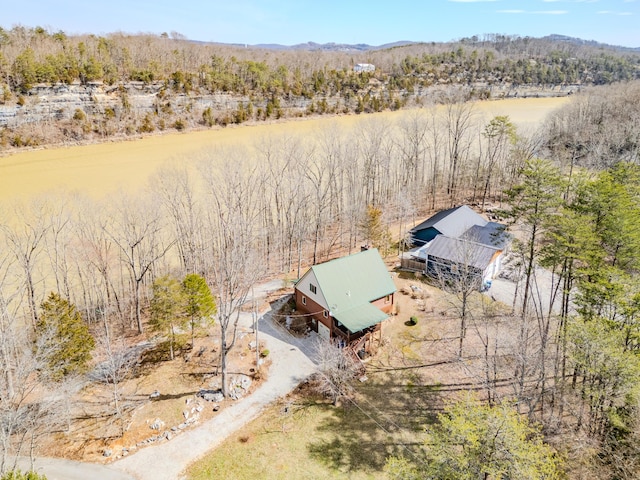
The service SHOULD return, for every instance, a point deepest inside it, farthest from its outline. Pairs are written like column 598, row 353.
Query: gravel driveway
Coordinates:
column 510, row 293
column 290, row 366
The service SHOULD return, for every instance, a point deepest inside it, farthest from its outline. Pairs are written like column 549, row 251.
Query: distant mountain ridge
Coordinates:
column 592, row 43
column 363, row 47
column 315, row 47
column 339, row 47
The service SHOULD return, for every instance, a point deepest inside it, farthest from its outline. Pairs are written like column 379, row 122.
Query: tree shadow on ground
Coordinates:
column 383, row 420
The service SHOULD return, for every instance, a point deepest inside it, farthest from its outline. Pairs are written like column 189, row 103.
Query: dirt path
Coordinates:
column 289, row 367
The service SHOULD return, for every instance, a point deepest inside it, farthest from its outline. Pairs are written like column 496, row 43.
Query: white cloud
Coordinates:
column 535, row 12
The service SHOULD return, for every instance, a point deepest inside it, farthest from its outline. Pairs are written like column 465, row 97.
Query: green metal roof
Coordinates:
column 349, row 284
column 360, row 317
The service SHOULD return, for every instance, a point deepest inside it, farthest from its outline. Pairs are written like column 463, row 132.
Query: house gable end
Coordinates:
column 304, row 286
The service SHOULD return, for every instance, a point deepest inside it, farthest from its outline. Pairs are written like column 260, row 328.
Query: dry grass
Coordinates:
column 101, row 169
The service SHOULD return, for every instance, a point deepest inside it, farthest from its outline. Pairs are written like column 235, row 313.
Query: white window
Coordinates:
column 325, row 314
column 304, row 300
column 313, row 288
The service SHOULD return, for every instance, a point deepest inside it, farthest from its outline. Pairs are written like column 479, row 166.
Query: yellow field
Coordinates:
column 100, row 169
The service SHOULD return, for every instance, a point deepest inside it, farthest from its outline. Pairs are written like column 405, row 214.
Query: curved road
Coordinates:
column 290, row 366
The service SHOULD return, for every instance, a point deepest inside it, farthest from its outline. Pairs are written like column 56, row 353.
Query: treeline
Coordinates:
column 269, row 84
column 31, row 56
column 567, row 358
column 596, row 130
column 466, row 66
column 581, row 344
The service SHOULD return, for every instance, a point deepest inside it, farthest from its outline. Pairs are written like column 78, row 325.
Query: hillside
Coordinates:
column 56, row 88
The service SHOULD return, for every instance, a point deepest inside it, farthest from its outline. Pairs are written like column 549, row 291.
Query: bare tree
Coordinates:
column 500, row 134
column 337, row 369
column 373, row 137
column 414, row 130
column 461, row 273
column 233, row 235
column 354, row 203
column 321, row 172
column 403, row 212
column 116, row 366
column 177, row 193
column 58, row 241
column 97, row 261
column 137, row 230
column 280, row 157
column 435, row 153
column 459, row 120
column 31, row 405
column 25, row 239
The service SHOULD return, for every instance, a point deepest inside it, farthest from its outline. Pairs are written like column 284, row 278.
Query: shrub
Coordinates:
column 207, row 117
column 19, row 475
column 412, row 321
column 146, row 126
column 6, row 94
column 264, row 353
column 79, row 115
column 179, row 125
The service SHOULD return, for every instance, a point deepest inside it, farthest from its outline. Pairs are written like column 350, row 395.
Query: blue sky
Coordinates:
column 373, row 22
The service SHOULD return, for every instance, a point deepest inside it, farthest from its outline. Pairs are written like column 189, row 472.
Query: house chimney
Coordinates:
column 364, row 248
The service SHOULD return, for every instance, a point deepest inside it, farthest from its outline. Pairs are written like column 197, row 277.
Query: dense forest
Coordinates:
column 77, row 275
column 259, row 84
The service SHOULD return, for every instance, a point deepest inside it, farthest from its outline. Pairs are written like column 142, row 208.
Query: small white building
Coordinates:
column 364, row 67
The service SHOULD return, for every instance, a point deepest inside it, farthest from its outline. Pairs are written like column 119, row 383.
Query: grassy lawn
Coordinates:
column 306, row 438
column 311, row 440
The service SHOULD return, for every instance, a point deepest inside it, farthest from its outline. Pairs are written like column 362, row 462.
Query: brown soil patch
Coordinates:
column 96, row 429
column 427, row 353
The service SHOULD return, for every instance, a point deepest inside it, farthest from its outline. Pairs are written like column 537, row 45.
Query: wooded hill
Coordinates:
column 181, row 76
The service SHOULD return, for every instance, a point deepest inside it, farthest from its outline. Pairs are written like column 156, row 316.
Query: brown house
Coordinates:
column 346, row 299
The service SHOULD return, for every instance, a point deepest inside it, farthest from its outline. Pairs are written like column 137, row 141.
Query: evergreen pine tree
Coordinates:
column 63, row 337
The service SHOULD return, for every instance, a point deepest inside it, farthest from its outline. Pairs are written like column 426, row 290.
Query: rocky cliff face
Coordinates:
column 47, row 103
column 60, row 102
